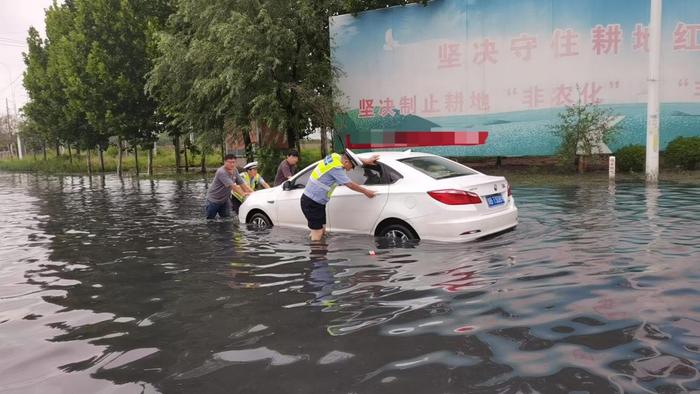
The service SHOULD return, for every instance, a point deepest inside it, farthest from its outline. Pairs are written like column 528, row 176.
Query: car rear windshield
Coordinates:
column 437, row 167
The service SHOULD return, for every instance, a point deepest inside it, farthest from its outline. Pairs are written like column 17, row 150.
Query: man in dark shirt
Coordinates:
column 225, row 181
column 287, row 167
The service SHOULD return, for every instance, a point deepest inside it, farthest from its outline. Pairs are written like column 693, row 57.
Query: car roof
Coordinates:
column 393, row 155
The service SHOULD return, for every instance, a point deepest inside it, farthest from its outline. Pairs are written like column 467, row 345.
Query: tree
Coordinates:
column 582, row 129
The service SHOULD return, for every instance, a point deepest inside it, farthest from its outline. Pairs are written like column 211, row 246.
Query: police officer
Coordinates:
column 252, row 179
column 329, row 173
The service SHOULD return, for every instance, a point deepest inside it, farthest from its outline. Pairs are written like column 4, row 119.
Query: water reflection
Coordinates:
column 121, row 285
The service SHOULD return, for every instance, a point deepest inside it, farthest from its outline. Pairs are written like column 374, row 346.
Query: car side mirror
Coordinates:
column 287, row 185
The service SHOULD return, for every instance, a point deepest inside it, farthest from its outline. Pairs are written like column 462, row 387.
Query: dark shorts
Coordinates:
column 314, row 212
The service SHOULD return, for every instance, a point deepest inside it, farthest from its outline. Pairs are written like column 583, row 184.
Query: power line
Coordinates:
column 11, row 83
column 14, row 40
column 12, row 45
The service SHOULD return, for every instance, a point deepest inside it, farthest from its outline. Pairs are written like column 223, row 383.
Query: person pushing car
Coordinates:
column 329, row 173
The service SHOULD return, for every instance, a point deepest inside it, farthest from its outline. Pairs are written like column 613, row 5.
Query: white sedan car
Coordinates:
column 419, row 196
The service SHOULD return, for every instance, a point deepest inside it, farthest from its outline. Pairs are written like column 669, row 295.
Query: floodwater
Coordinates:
column 122, row 286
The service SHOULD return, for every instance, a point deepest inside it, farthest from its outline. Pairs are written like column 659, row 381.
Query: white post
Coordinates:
column 19, row 147
column 611, row 168
column 653, row 121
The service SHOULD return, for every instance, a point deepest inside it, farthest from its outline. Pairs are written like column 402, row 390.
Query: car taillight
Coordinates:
column 455, row 197
column 510, row 191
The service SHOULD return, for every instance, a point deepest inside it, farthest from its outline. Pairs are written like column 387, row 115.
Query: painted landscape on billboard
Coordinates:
column 504, row 69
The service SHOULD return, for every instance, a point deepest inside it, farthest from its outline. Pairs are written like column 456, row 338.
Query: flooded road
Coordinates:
column 122, row 286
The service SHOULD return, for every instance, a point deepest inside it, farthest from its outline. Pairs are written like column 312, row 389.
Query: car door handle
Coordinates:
column 270, row 201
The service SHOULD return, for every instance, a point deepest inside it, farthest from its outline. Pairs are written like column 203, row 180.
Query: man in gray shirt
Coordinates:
column 287, row 167
column 225, row 181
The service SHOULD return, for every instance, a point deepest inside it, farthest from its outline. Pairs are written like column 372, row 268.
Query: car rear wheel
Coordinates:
column 259, row 221
column 397, row 232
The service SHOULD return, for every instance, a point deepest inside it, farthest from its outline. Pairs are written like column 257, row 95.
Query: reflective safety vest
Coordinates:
column 330, row 162
column 253, row 183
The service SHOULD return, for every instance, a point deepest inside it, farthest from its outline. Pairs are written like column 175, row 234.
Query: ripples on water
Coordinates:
column 123, row 287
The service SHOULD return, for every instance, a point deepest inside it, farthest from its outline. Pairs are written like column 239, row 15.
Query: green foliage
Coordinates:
column 631, row 158
column 268, row 160
column 309, row 156
column 683, row 152
column 582, row 128
column 163, row 163
column 132, row 69
column 85, row 80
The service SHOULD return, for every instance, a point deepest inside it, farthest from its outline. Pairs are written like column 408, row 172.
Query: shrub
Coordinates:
column 582, row 128
column 683, row 152
column 268, row 161
column 631, row 158
column 112, row 151
column 309, row 156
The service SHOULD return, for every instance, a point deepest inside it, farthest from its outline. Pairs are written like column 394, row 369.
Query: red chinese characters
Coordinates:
column 454, row 102
column 606, row 40
column 590, row 93
column 533, row 97
column 686, row 37
column 565, row 42
column 640, row 37
column 430, row 105
column 523, row 46
column 485, row 51
column 562, row 95
column 449, row 56
column 407, row 105
column 366, row 108
column 480, row 101
column 386, row 107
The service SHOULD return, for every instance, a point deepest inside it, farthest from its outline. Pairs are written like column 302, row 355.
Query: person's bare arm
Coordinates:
column 265, row 185
column 237, row 189
column 354, row 186
column 371, row 161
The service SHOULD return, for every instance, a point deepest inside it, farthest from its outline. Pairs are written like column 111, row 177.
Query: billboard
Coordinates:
column 507, row 68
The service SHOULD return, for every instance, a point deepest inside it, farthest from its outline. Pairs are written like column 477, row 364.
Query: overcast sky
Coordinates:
column 15, row 18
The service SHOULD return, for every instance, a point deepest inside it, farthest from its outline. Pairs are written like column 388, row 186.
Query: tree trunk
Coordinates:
column 176, row 142
column 89, row 162
column 291, row 138
column 498, row 161
column 70, row 155
column 187, row 163
column 324, row 142
column 58, row 149
column 77, row 152
column 43, row 149
column 247, row 144
column 102, row 159
column 120, row 148
column 149, row 168
column 581, row 164
column 136, row 159
column 204, row 162
column 223, row 149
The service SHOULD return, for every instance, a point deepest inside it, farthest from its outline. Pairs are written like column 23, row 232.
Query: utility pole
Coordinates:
column 19, row 141
column 653, row 121
column 9, row 126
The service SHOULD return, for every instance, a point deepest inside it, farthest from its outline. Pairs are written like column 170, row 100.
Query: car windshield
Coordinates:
column 437, row 167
